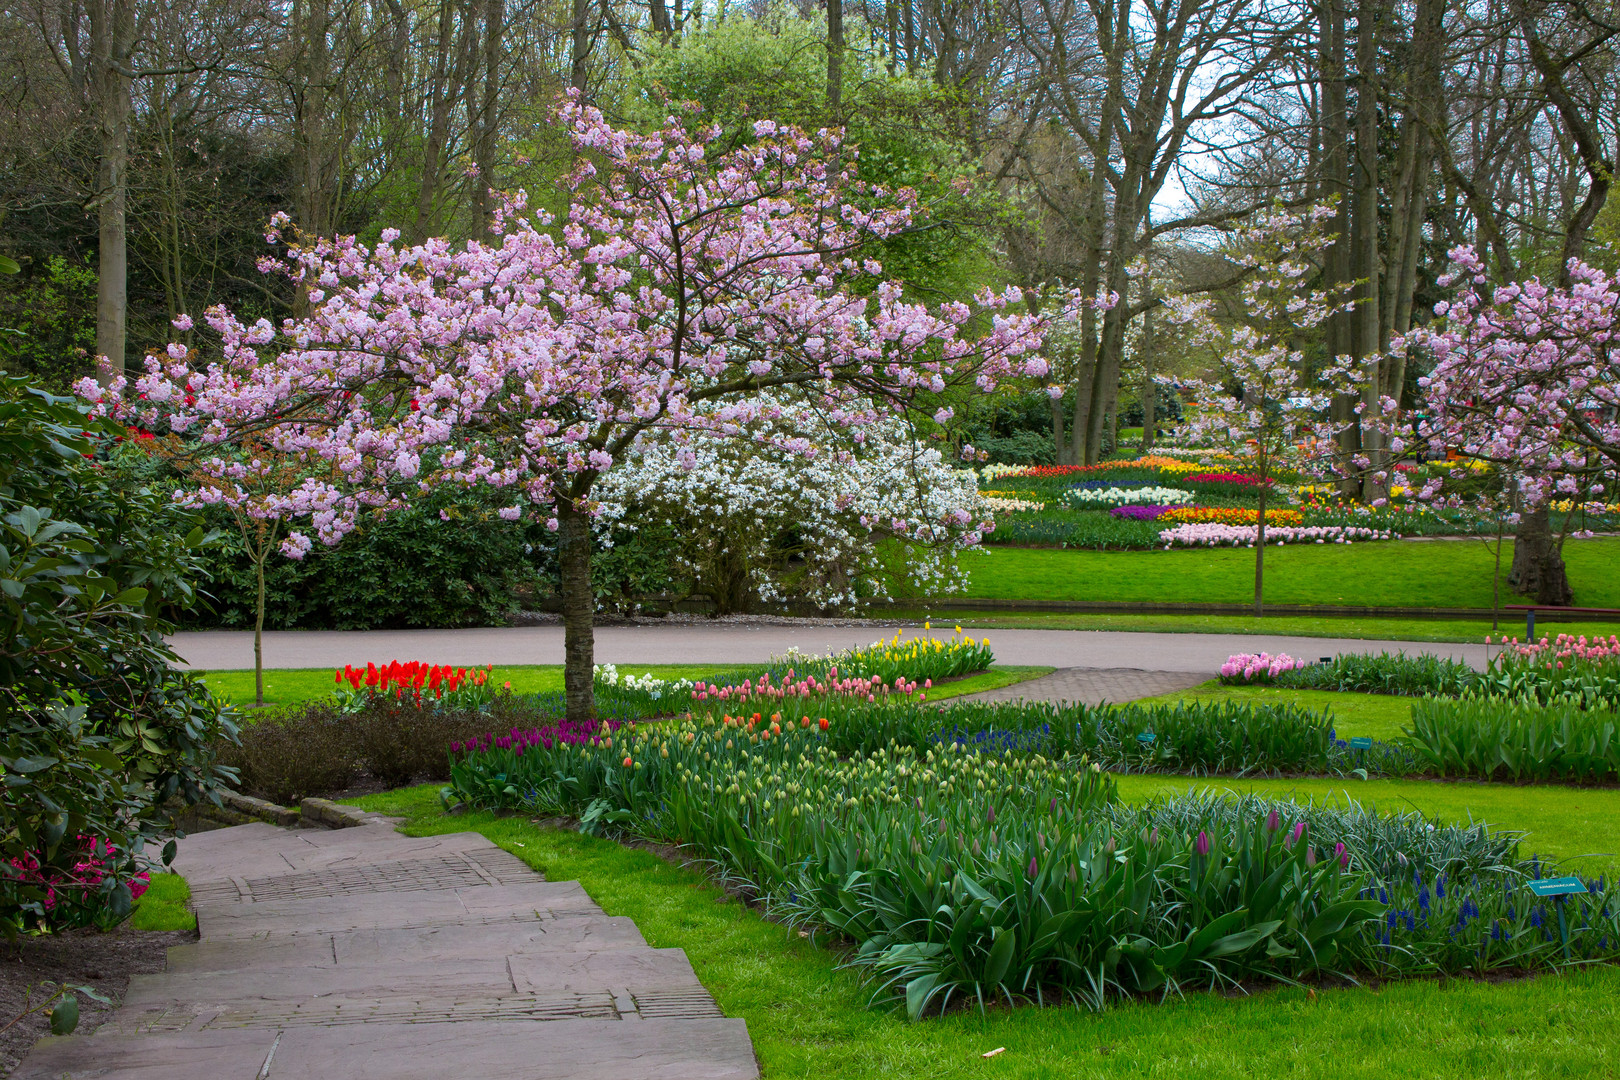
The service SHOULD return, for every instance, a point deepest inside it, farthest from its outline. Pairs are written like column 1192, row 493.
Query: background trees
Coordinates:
column 1055, row 142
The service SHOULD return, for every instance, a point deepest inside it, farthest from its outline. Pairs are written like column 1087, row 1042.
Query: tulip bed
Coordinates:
column 1065, row 506
column 1520, row 740
column 1576, row 669
column 965, row 875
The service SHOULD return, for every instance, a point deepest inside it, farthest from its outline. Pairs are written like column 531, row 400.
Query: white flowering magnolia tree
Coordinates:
column 797, row 505
column 682, row 275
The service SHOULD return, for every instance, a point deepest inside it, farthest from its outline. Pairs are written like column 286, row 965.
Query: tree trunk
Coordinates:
column 1150, row 389
column 1336, row 184
column 1365, row 246
column 579, row 45
column 835, row 57
column 112, row 35
column 579, row 607
column 258, row 632
column 1538, row 564
column 1260, row 545
column 484, row 141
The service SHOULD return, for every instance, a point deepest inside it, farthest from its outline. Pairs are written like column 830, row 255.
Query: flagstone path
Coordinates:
column 1093, row 686
column 363, row 954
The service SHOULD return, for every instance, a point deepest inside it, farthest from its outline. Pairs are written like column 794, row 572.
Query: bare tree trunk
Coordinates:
column 1366, row 253
column 112, row 42
column 439, row 99
column 485, row 130
column 835, row 57
column 579, row 607
column 1150, row 389
column 1336, row 184
column 579, row 45
column 1260, row 545
column 258, row 631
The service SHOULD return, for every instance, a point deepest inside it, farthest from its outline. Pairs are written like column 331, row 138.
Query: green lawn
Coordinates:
column 1326, row 626
column 1566, row 822
column 163, row 905
column 1381, row 716
column 284, row 686
column 807, row 1018
column 1443, row 574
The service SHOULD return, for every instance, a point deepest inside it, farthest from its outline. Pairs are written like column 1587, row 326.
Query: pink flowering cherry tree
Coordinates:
column 1281, row 411
column 682, row 280
column 1527, row 375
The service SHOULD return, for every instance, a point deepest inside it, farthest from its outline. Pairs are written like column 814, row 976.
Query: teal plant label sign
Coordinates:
column 1361, row 742
column 1146, row 738
column 1557, row 886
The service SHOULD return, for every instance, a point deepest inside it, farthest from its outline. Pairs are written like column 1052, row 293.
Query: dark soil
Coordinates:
column 33, row 967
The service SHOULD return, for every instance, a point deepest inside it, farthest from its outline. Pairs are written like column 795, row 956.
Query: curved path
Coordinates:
column 221, row 650
column 361, row 954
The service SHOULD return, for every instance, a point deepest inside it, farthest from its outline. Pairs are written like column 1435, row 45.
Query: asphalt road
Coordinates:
column 220, row 650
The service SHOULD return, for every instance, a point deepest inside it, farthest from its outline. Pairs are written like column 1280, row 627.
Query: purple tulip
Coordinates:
column 1203, row 843
column 1032, row 867
column 990, row 815
column 1299, row 831
column 1273, row 821
column 1310, row 856
column 1342, row 855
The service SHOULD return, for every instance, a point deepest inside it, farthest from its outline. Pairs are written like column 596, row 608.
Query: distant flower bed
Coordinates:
column 1210, row 534
column 1240, row 479
column 1231, row 515
column 1116, row 496
column 1141, row 513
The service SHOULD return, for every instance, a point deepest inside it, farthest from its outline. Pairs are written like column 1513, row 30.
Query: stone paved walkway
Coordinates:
column 362, row 954
column 220, row 650
column 1093, row 686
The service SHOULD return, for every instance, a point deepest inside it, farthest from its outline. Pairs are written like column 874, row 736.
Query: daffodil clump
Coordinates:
column 919, row 658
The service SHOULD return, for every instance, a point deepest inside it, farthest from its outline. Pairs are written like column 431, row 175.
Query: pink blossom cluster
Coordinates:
column 1211, row 534
column 764, row 689
column 83, row 879
column 1258, row 667
column 1565, row 647
column 1526, row 375
column 682, row 272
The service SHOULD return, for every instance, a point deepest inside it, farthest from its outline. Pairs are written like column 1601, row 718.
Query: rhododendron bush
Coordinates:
column 682, row 281
column 798, row 508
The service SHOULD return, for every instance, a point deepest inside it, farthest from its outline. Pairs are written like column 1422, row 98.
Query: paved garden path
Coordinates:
column 362, row 954
column 219, row 650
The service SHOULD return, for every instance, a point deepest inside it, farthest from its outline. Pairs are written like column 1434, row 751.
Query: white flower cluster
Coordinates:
column 1146, row 496
column 800, row 508
column 989, row 472
column 1001, row 504
column 649, row 684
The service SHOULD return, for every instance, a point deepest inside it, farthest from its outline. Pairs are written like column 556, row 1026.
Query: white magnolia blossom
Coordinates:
column 800, row 510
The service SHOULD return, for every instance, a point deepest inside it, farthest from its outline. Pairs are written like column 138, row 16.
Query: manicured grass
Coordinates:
column 1328, row 626
column 1381, row 716
column 1565, row 822
column 808, row 1018
column 1442, row 574
column 994, row 679
column 163, row 905
column 288, row 685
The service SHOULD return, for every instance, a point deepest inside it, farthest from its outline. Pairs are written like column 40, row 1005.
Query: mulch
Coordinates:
column 32, row 968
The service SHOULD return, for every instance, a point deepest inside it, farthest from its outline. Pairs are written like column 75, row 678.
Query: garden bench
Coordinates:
column 1531, row 609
